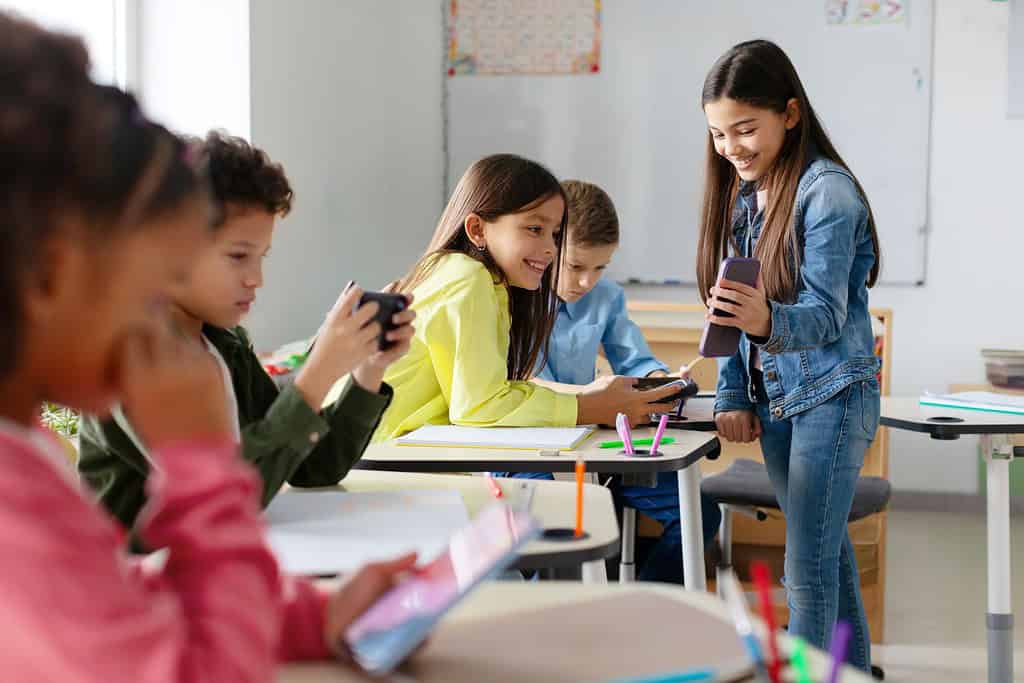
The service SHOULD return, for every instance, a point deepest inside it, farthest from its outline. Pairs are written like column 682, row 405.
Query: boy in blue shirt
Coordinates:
column 591, row 316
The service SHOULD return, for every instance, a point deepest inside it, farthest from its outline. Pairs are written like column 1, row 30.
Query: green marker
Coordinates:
column 798, row 659
column 636, row 442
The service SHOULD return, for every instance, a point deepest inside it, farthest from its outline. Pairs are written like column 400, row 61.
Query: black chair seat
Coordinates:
column 745, row 482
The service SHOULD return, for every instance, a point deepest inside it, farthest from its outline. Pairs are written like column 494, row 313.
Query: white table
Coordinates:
column 681, row 457
column 553, row 504
column 497, row 599
column 995, row 430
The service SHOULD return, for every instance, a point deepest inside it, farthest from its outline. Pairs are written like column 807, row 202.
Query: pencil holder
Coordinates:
column 643, row 453
column 562, row 534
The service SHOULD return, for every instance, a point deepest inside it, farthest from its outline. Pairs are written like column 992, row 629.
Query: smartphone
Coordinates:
column 717, row 340
column 402, row 618
column 687, row 387
column 390, row 304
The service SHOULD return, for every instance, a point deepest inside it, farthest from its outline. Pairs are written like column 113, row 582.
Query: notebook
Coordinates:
column 984, row 401
column 332, row 532
column 515, row 438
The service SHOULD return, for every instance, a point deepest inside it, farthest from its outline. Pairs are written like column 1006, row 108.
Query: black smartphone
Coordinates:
column 687, row 387
column 390, row 304
column 718, row 340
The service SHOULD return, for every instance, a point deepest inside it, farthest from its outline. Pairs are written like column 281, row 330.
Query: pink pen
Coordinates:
column 619, row 420
column 627, row 440
column 662, row 423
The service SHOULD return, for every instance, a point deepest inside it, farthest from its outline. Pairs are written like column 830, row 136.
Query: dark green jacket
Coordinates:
column 285, row 439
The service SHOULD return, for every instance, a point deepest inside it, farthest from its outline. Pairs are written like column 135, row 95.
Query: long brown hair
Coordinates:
column 493, row 187
column 760, row 74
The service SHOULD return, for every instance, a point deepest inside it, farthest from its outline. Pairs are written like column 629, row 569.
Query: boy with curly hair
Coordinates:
column 284, row 434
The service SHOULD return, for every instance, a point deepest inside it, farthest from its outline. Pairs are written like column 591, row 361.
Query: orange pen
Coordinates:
column 581, row 469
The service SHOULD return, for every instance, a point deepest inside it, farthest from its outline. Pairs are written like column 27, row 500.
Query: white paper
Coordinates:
column 521, row 438
column 328, row 532
column 978, row 400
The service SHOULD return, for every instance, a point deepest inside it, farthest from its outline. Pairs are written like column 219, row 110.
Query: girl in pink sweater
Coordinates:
column 101, row 213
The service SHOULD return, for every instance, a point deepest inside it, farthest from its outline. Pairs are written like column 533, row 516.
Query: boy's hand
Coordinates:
column 346, row 339
column 356, row 596
column 370, row 373
column 172, row 390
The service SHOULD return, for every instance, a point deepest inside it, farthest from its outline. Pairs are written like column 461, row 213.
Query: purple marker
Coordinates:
column 658, row 434
column 837, row 650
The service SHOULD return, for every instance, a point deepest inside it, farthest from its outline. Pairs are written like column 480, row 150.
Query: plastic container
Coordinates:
column 1004, row 367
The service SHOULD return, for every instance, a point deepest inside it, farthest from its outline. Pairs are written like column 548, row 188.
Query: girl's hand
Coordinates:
column 749, row 306
column 738, row 426
column 347, row 338
column 370, row 373
column 601, row 383
column 172, row 389
column 356, row 596
column 601, row 405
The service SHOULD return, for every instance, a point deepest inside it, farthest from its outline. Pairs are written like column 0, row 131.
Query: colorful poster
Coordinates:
column 524, row 37
column 865, row 12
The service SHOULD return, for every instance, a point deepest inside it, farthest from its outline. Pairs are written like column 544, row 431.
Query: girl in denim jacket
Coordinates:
column 804, row 379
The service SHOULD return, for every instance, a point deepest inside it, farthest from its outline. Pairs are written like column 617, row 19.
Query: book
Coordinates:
column 514, row 438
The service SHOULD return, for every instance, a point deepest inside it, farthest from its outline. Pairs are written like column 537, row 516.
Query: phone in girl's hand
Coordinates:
column 718, row 340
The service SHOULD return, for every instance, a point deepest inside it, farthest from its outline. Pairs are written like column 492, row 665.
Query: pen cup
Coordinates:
column 562, row 534
column 643, row 453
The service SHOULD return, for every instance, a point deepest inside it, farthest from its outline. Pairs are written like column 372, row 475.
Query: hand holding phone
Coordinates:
column 721, row 335
column 687, row 387
column 388, row 306
column 349, row 335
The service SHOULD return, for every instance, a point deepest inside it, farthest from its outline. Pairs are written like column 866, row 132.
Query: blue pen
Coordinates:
column 677, row 677
column 733, row 595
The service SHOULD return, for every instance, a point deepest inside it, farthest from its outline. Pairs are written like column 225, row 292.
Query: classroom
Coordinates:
column 623, row 341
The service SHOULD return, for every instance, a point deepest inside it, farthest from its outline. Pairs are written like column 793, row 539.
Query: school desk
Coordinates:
column 556, row 631
column 996, row 430
column 681, row 457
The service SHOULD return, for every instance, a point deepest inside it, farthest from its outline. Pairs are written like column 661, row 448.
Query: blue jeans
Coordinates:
column 664, row 562
column 814, row 460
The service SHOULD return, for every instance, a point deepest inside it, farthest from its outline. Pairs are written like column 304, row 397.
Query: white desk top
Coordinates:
column 497, row 599
column 689, row 447
column 554, row 504
column 902, row 412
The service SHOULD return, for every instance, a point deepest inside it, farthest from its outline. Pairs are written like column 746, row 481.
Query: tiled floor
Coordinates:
column 936, row 596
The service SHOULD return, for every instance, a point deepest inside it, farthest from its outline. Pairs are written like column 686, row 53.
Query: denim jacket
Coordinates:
column 823, row 342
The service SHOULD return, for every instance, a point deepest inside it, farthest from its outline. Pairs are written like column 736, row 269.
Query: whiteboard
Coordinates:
column 637, row 129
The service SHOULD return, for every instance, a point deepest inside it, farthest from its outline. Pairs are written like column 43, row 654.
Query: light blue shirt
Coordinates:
column 582, row 327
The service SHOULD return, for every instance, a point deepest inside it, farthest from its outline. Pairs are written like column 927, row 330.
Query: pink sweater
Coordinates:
column 75, row 607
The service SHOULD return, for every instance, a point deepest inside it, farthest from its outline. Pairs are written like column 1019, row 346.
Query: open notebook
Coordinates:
column 516, row 438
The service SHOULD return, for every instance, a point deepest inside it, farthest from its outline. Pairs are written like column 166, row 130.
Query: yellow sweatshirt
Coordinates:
column 456, row 370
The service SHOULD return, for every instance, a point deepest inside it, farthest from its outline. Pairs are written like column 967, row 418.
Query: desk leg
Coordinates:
column 595, row 572
column 998, row 453
column 627, row 563
column 691, row 526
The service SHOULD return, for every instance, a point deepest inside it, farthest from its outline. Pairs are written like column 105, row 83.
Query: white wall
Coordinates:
column 972, row 298
column 347, row 95
column 193, row 71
